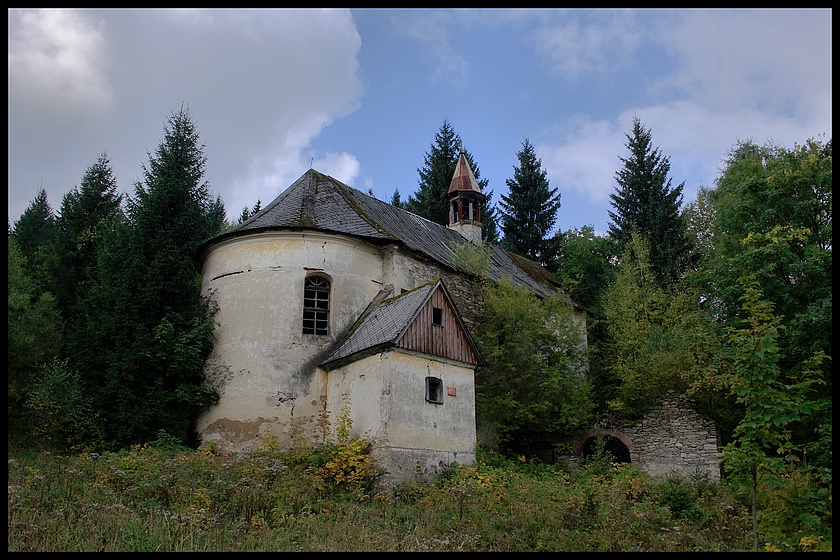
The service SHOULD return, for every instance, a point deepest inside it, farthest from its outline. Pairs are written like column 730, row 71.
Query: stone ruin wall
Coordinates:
column 674, row 439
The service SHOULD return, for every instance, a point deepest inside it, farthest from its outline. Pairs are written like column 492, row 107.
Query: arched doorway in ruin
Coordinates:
column 615, row 442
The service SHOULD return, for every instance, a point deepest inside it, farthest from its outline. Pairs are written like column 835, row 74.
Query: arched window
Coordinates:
column 316, row 305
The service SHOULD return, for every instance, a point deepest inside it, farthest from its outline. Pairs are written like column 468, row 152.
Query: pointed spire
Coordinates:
column 465, row 199
column 463, row 179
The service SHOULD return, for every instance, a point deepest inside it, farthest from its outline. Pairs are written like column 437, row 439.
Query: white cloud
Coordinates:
column 576, row 47
column 585, row 159
column 260, row 85
column 56, row 63
column 759, row 75
column 764, row 60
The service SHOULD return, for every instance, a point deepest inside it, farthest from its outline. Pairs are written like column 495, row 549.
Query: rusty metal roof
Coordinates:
column 463, row 179
column 319, row 202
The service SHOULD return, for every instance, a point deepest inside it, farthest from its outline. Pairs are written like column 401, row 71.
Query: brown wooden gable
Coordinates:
column 441, row 333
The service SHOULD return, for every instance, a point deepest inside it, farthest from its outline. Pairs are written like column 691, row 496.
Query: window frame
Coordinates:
column 437, row 316
column 317, row 296
column 434, row 390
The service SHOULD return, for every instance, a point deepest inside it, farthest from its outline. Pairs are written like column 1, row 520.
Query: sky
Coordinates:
column 360, row 94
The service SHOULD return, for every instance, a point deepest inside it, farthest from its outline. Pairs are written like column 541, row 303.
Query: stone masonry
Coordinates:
column 671, row 439
column 674, row 439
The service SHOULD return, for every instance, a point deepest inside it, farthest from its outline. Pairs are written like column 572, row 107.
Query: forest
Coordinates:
column 725, row 298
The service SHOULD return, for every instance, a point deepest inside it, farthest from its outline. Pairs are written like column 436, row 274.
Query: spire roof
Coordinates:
column 463, row 179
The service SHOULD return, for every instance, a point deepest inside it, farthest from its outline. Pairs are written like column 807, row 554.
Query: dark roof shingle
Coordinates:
column 318, row 201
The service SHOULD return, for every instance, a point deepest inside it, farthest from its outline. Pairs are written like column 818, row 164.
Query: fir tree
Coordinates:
column 152, row 328
column 644, row 201
column 529, row 211
column 87, row 213
column 35, row 233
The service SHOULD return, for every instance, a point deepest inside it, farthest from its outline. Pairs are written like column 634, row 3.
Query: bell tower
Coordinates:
column 465, row 199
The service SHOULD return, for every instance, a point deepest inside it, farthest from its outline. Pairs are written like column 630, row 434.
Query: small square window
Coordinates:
column 437, row 316
column 434, row 390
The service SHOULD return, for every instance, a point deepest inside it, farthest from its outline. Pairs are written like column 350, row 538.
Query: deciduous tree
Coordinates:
column 533, row 389
column 769, row 215
column 657, row 340
column 762, row 443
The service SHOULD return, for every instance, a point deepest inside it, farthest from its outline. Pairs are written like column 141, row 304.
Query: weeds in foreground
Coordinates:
column 161, row 497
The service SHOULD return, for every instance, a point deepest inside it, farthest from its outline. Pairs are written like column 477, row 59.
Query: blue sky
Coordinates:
column 360, row 94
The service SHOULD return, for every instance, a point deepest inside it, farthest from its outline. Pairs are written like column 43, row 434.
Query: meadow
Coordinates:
column 167, row 498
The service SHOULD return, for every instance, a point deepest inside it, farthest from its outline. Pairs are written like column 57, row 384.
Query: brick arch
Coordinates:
column 579, row 443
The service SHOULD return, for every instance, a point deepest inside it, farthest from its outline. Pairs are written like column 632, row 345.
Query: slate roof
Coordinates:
column 318, row 201
column 384, row 323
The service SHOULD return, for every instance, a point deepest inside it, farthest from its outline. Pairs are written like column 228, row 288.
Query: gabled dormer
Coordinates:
column 465, row 200
column 424, row 320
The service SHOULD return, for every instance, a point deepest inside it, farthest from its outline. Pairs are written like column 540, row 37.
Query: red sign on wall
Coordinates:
column 450, row 391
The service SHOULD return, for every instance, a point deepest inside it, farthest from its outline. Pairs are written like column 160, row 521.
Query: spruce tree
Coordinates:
column 529, row 211
column 645, row 201
column 248, row 212
column 87, row 213
column 35, row 233
column 33, row 337
column 430, row 199
column 396, row 200
column 151, row 326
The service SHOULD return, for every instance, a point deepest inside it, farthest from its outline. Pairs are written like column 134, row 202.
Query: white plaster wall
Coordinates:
column 364, row 387
column 386, row 396
column 262, row 365
column 416, row 423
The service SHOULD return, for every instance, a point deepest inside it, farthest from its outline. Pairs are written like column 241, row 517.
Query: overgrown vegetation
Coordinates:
column 164, row 497
column 108, row 333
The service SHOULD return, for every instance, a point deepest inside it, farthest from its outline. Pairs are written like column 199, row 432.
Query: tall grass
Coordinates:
column 161, row 497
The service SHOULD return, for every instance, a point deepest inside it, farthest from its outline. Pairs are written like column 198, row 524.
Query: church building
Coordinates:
column 333, row 304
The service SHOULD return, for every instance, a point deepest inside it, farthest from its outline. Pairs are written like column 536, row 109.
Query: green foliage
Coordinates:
column 769, row 215
column 142, row 327
column 533, row 388
column 472, row 259
column 397, row 201
column 761, row 442
column 529, row 210
column 160, row 496
column 248, row 212
column 87, row 214
column 65, row 417
column 34, row 335
column 645, row 202
column 658, row 341
column 582, row 264
column 35, row 234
